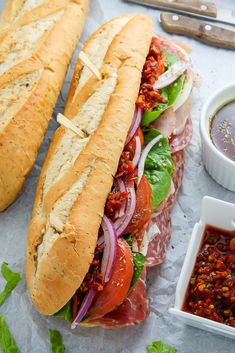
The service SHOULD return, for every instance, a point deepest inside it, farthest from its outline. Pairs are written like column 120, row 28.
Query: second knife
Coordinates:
column 205, row 32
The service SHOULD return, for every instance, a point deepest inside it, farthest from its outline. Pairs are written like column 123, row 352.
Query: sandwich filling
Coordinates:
column 145, row 185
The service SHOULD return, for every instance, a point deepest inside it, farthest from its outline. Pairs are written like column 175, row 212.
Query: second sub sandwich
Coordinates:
column 102, row 209
column 37, row 40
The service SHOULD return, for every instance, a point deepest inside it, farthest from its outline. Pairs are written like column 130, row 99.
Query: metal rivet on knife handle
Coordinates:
column 209, row 34
column 175, row 17
column 203, row 7
column 208, row 27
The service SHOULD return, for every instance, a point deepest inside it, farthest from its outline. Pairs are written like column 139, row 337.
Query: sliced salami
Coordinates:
column 178, row 159
column 162, row 218
column 157, row 247
column 179, row 142
column 133, row 310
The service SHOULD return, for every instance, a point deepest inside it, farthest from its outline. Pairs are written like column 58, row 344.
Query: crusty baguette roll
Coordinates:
column 77, row 174
column 37, row 39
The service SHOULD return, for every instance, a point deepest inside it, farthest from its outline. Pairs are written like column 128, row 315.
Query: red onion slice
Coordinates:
column 171, row 75
column 137, row 152
column 86, row 303
column 187, row 88
column 120, row 186
column 100, row 242
column 135, row 124
column 110, row 248
column 144, row 156
column 122, row 223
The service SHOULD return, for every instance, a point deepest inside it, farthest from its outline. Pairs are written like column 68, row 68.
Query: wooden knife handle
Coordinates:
column 205, row 8
column 205, row 32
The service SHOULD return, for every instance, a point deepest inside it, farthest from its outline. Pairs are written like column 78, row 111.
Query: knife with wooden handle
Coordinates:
column 207, row 33
column 204, row 8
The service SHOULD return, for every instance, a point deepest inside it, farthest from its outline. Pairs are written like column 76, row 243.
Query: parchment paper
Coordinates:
column 216, row 67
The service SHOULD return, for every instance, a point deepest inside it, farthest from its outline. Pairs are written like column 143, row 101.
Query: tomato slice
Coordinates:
column 143, row 208
column 141, row 136
column 115, row 291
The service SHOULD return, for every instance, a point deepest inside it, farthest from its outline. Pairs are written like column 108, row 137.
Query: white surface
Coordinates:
column 220, row 167
column 219, row 214
column 216, row 67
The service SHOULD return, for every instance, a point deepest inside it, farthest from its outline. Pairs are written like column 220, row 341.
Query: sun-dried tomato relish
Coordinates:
column 114, row 202
column 125, row 166
column 155, row 65
column 93, row 279
column 211, row 292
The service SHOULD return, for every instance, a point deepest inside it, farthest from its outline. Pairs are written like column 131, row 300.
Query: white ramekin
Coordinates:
column 219, row 214
column 220, row 167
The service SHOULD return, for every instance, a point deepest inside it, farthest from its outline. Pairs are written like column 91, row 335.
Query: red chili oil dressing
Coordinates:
column 211, row 291
column 222, row 130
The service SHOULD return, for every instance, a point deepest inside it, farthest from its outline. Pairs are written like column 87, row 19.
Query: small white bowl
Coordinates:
column 220, row 167
column 219, row 214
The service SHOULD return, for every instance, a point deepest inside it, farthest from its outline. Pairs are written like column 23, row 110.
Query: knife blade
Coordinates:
column 201, row 9
column 200, row 30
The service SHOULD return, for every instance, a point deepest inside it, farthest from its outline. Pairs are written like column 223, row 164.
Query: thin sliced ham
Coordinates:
column 182, row 115
column 179, row 142
column 172, row 123
column 166, row 123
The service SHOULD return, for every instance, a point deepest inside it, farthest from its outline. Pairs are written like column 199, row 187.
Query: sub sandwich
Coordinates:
column 101, row 216
column 37, row 40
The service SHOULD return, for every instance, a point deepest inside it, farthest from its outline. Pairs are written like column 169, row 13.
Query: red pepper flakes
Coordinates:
column 211, row 292
column 155, row 65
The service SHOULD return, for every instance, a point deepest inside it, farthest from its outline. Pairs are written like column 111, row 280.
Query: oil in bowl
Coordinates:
column 222, row 130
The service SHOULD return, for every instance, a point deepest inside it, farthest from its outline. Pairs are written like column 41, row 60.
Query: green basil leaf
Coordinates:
column 170, row 58
column 56, row 342
column 158, row 167
column 12, row 279
column 170, row 93
column 160, row 347
column 139, row 261
column 7, row 342
column 128, row 239
column 66, row 312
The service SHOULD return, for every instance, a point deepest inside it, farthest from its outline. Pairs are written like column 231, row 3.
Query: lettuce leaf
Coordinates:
column 66, row 312
column 160, row 347
column 170, row 58
column 139, row 261
column 7, row 342
column 158, row 167
column 170, row 93
column 12, row 279
column 56, row 342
